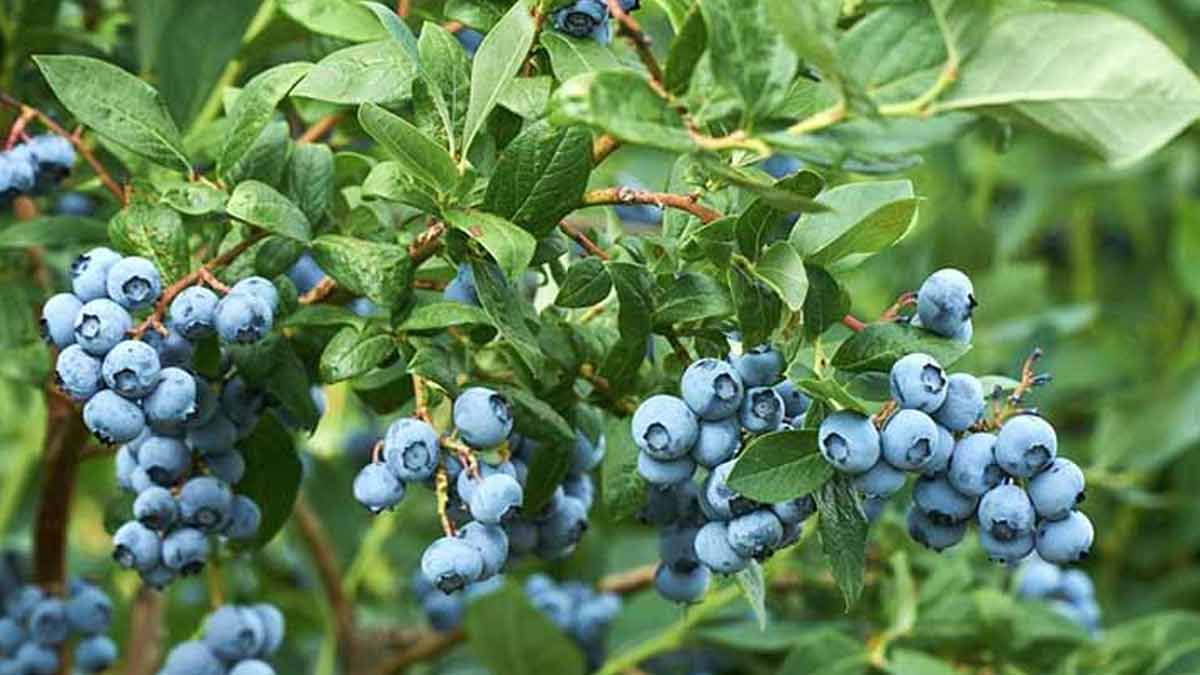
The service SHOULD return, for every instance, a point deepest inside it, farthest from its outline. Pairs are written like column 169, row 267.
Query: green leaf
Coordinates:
column 261, row 205
column 509, row 636
column 794, row 193
column 53, row 231
column 826, row 303
column 510, row 246
column 345, row 19
column 272, row 478
column 779, row 466
column 864, row 218
column 754, row 590
column 424, row 159
column 353, row 352
column 508, row 313
column 758, row 307
column 587, row 283
column 119, row 106
column 394, row 25
column 323, row 315
column 691, row 296
column 782, row 268
column 896, row 53
column 309, row 179
column 527, row 96
column 155, row 233
column 497, row 61
column 964, row 25
column 443, row 314
column 826, row 650
column 447, row 71
column 1090, row 75
column 574, row 56
column 635, row 293
column 832, row 390
column 392, row 181
column 843, row 530
column 254, row 108
column 381, row 272
column 481, row 15
column 541, row 176
column 754, row 60
column 375, row 72
column 809, row 26
column 621, row 103
column 267, row 158
column 879, row 345
column 909, row 662
column 686, row 49
column 623, row 489
column 193, row 199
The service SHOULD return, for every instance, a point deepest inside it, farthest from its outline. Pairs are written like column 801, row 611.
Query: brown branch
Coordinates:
column 427, row 243
column 322, row 290
column 905, row 300
column 402, row 9
column 329, row 570
column 602, row 147
column 65, row 435
column 582, row 239
column 321, row 127
column 853, row 324
column 630, row 581
column 640, row 41
column 625, row 195
column 147, row 631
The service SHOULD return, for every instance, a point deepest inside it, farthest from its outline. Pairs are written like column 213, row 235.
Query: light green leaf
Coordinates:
column 810, row 28
column 309, row 180
column 843, row 530
column 623, row 488
column 447, row 72
column 863, row 218
column 155, row 233
column 261, row 205
column 782, row 268
column 392, row 181
column 753, row 61
column 573, row 56
column 254, row 108
column 193, row 199
column 621, row 103
column 754, row 588
column 878, row 346
column 779, row 466
column 510, row 246
column 497, row 61
column 527, row 96
column 381, row 272
column 53, row 231
column 345, row 19
column 443, row 314
column 375, row 72
column 422, row 157
column 394, row 25
column 686, row 49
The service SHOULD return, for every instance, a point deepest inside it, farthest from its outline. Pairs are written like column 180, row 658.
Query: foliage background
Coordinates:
column 1098, row 266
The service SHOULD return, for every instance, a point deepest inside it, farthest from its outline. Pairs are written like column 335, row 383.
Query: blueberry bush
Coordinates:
column 599, row 336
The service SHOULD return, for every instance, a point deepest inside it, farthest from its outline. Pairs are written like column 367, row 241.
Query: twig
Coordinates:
column 420, row 405
column 880, row 418
column 402, row 9
column 329, row 570
column 583, row 240
column 146, row 630
column 641, row 43
column 602, row 147
column 18, row 127
column 681, row 351
column 321, row 127
column 853, row 324
column 322, row 290
column 442, row 490
column 625, row 195
column 631, row 581
column 905, row 300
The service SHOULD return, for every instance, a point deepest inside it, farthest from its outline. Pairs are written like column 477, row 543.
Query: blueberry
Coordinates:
column 194, row 312
column 58, row 319
column 131, row 369
column 113, row 419
column 450, row 564
column 581, row 487
column 496, row 498
column 964, row 404
column 712, row 389
column 37, row 659
column 229, row 467
column 490, row 541
column 762, row 410
column 48, row 623
column 100, row 325
column 273, row 627
column 159, row 577
column 563, row 528
column 252, row 667
column 483, row 417
column 1007, row 552
column 12, row 636
column 918, row 382
column 945, row 302
column 377, row 488
column 470, row 40
column 54, row 155
column 721, row 502
column 156, row 509
column 1067, row 540
column 192, row 658
column 665, row 472
column 795, row 511
column 682, row 586
column 1039, row 579
column 136, row 546
column 931, row 535
column 581, row 19
column 234, row 633
column 522, row 536
column 717, row 442
column 677, row 546
column 89, row 611
column 445, row 612
column 260, row 288
column 778, row 166
column 95, row 654
column 461, row 288
column 205, row 503
column 909, row 440
column 882, row 480
column 664, row 427
column 795, row 402
column 20, row 602
column 1076, row 586
column 216, row 437
column 849, row 441
column 134, row 283
column 411, row 449
column 173, row 400
column 173, row 349
column 663, row 504
column 244, row 520
column 242, row 403
column 1025, row 445
column 165, row 460
column 938, row 500
column 185, row 551
column 305, row 273
column 873, row 507
column 74, row 204
column 89, row 273
column 973, row 468
column 77, row 373
column 587, row 455
column 1057, row 489
column 243, row 318
column 756, row 534
column 943, row 451
column 760, row 366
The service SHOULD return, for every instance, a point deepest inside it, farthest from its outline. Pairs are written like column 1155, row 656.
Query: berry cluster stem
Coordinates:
column 420, row 404
column 442, row 489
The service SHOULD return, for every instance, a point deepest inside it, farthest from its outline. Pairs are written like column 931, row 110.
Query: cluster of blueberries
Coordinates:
column 1070, row 592
column 1022, row 495
column 236, row 640
column 178, row 430
column 712, row 528
column 35, row 166
column 34, row 626
column 588, row 19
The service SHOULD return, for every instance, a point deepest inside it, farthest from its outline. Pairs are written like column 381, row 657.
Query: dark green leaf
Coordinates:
column 831, row 390
column 691, row 296
column 392, row 181
column 623, row 489
column 324, row 315
column 272, row 478
column 880, row 345
column 254, row 108
column 686, row 49
column 758, row 307
column 309, row 180
column 909, row 662
column 510, row 246
column 547, row 469
column 825, row 304
column 263, row 206
column 508, row 313
column 792, row 194
column 541, row 176
column 193, row 199
column 509, row 636
column 636, row 297
column 381, row 272
column 843, row 530
column 53, row 231
column 443, row 314
column 448, row 74
column 418, row 154
column 587, row 283
column 155, row 233
column 352, row 352
column 780, row 466
column 863, row 218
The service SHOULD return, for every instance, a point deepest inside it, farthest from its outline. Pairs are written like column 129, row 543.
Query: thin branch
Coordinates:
column 312, row 531
column 583, row 240
column 681, row 352
column 625, row 195
column 853, row 324
column 147, row 631
column 321, row 127
column 641, row 43
column 602, row 147
column 630, row 581
column 322, row 290
column 420, row 404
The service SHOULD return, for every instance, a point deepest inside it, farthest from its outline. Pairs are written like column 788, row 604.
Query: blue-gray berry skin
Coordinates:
column 22, row 168
column 1008, row 552
column 562, row 528
column 54, row 156
column 1065, row 541
column 12, row 635
column 717, row 442
column 164, row 459
column 712, row 389
column 242, row 403
column 305, row 273
column 755, row 534
column 205, row 503
column 89, row 611
column 932, row 535
column 77, row 373
column 156, row 508
column 686, row 586
column 909, row 440
column 159, row 577
column 21, row 601
column 411, row 449
column 795, row 402
column 377, row 488
column 48, row 623
column 964, row 404
column 444, row 612
column 587, row 455
column 243, row 318
column 761, row 411
column 173, row 348
column 234, row 633
column 194, row 312
column 581, row 19
column 483, row 417
column 37, row 659
column 260, row 288
column 134, row 283
column 185, row 551
column 450, row 564
column 522, row 536
column 136, row 546
column 945, row 302
column 173, row 400
column 274, row 627
column 229, row 467
column 665, row 428
column 1039, row 579
column 131, row 369
column 95, row 654
column 918, row 382
column 58, row 319
column 113, row 419
column 192, row 658
column 677, row 546
column 715, row 552
column 938, row 500
column 1057, row 489
column 973, row 469
column 882, row 480
column 252, row 667
column 873, row 507
column 89, row 273
column 100, row 325
column 461, row 288
column 719, row 501
column 244, row 519
column 218, row 436
column 1006, row 512
column 1076, row 586
column 1025, row 445
column 943, row 451
column 795, row 511
column 490, row 541
column 759, row 366
column 496, row 498
column 849, row 441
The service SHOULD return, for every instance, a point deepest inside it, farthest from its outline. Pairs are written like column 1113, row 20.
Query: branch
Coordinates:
column 322, row 290
column 582, row 239
column 146, row 628
column 625, row 195
column 641, row 43
column 853, row 324
column 312, row 531
column 321, row 127
column 602, row 147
